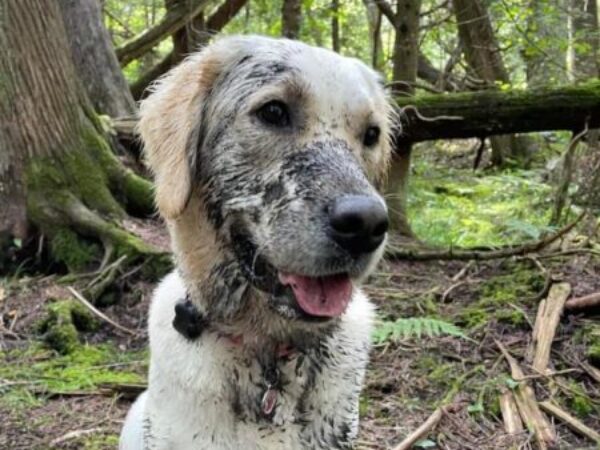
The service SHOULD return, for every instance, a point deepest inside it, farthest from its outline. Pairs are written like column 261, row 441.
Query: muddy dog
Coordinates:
column 267, row 155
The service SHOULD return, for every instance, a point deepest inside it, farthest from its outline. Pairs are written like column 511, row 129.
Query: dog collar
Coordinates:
column 191, row 323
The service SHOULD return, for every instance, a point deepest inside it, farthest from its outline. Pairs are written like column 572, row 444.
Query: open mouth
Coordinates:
column 324, row 297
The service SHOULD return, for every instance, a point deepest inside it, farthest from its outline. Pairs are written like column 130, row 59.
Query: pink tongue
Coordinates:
column 320, row 296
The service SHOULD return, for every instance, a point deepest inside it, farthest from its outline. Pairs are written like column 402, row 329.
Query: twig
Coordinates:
column 482, row 255
column 98, row 313
column 426, row 427
column 547, row 374
column 76, row 435
column 422, row 118
column 591, row 371
column 570, row 421
column 585, row 302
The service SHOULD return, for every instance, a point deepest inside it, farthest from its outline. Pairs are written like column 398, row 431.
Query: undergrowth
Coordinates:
column 455, row 207
column 414, row 327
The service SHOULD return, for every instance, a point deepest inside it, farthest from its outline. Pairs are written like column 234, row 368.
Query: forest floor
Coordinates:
column 450, row 354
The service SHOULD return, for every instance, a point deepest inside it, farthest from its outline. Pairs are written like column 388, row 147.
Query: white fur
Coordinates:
column 187, row 398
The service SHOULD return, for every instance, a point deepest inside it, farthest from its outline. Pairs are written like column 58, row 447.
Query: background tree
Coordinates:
column 405, row 21
column 94, row 58
column 291, row 18
column 484, row 58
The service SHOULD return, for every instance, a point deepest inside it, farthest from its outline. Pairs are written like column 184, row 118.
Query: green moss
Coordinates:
column 498, row 294
column 64, row 319
column 85, row 368
column 101, row 442
column 74, row 252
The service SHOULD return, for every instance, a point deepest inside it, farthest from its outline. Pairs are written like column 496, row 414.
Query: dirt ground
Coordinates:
column 408, row 378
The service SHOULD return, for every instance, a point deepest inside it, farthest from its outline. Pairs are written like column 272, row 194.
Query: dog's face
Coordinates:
column 284, row 143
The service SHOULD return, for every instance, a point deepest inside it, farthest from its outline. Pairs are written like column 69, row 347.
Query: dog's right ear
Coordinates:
column 170, row 118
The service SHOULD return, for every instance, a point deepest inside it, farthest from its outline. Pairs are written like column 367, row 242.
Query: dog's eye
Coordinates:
column 274, row 113
column 371, row 136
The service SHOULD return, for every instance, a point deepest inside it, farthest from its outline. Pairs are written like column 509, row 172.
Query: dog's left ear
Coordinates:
column 170, row 119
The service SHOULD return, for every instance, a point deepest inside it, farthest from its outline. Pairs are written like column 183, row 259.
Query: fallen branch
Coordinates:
column 98, row 313
column 585, row 302
column 573, row 423
column 483, row 254
column 528, row 406
column 548, row 317
column 426, row 427
column 510, row 413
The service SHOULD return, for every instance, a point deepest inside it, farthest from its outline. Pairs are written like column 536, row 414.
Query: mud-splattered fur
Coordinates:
column 243, row 200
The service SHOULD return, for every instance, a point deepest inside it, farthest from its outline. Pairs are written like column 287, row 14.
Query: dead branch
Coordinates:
column 585, row 302
column 483, row 254
column 510, row 413
column 98, row 313
column 591, row 371
column 528, row 406
column 548, row 317
column 173, row 21
column 573, row 423
column 426, row 427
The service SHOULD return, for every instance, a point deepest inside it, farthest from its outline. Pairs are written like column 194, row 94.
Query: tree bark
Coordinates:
column 488, row 113
column 57, row 170
column 94, row 58
column 291, row 18
column 484, row 58
column 173, row 21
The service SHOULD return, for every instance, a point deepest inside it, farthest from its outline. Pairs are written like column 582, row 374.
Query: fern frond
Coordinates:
column 414, row 327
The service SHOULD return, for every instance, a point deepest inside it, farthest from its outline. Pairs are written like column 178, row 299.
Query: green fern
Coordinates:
column 414, row 327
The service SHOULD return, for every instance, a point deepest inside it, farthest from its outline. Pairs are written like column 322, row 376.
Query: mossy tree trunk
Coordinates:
column 57, row 171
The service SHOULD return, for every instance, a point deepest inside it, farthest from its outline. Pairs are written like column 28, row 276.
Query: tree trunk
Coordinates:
column 57, row 170
column 291, row 17
column 584, row 49
column 406, row 62
column 374, row 23
column 335, row 25
column 94, row 58
column 484, row 58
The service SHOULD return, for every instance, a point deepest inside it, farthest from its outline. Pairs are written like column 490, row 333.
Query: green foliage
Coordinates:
column 450, row 207
column 412, row 327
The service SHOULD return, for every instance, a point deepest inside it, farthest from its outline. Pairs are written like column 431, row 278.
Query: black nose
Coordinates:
column 358, row 223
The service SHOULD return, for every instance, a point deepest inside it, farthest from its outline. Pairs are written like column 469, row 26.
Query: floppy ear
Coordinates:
column 170, row 121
